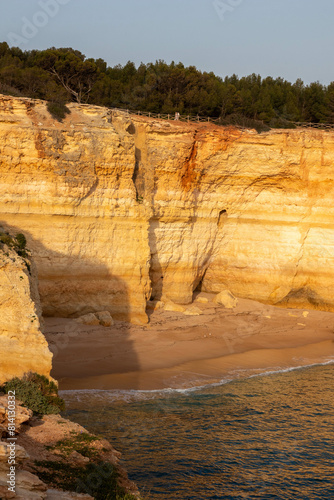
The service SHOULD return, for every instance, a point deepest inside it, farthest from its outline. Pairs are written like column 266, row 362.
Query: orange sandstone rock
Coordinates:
column 23, row 347
column 118, row 209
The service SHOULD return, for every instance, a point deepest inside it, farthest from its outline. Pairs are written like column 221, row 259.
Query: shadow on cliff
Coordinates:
column 156, row 270
column 72, row 286
column 159, row 271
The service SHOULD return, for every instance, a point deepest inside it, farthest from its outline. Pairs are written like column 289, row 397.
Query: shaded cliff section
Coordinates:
column 72, row 192
column 23, row 345
column 121, row 209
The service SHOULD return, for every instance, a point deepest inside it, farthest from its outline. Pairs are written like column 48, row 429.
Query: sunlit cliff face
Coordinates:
column 120, row 209
column 23, row 346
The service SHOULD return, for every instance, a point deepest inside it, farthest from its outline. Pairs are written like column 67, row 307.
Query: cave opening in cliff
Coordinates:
column 197, row 287
column 221, row 218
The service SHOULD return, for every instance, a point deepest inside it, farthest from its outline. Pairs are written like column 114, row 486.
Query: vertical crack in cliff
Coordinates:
column 188, row 172
column 143, row 170
column 301, row 254
column 138, row 176
column 143, row 183
column 306, row 233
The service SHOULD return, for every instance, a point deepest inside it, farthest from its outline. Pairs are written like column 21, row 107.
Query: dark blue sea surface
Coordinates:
column 268, row 436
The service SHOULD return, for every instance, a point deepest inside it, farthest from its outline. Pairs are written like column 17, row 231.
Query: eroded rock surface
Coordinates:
column 40, row 443
column 118, row 209
column 23, row 346
column 226, row 299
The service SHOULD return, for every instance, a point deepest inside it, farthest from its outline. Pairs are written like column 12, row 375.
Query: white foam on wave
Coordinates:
column 276, row 371
column 132, row 395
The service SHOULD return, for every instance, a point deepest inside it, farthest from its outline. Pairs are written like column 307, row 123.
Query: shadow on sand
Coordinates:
column 70, row 286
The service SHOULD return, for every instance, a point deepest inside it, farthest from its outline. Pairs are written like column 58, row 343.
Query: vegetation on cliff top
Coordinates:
column 18, row 244
column 63, row 75
column 37, row 393
column 79, row 462
column 98, row 478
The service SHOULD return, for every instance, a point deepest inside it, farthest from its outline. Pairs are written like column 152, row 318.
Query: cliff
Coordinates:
column 23, row 346
column 55, row 459
column 119, row 209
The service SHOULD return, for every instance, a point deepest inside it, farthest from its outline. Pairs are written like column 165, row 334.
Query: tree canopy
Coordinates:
column 64, row 75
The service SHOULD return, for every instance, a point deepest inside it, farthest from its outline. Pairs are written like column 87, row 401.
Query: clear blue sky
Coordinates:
column 288, row 38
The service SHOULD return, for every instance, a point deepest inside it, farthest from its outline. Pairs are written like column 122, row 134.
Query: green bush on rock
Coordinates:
column 18, row 242
column 100, row 479
column 57, row 110
column 6, row 239
column 37, row 393
column 21, row 241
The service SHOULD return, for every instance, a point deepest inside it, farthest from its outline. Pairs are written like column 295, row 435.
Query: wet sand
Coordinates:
column 178, row 351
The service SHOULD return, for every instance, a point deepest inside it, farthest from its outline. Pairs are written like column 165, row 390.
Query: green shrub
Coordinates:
column 100, row 480
column 36, row 392
column 245, row 122
column 18, row 244
column 21, row 241
column 80, row 443
column 9, row 90
column 281, row 123
column 6, row 239
column 58, row 110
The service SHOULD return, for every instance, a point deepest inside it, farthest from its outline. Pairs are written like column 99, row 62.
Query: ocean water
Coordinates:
column 269, row 436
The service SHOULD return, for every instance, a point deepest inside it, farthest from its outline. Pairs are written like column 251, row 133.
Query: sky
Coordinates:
column 287, row 38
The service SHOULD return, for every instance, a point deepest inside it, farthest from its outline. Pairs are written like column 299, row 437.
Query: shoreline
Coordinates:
column 209, row 373
column 175, row 351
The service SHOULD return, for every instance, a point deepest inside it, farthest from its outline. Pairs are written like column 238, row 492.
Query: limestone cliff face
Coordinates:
column 118, row 209
column 72, row 192
column 23, row 346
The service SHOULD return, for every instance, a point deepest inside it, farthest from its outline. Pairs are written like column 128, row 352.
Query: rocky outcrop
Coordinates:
column 226, row 299
column 100, row 318
column 23, row 346
column 42, row 452
column 119, row 209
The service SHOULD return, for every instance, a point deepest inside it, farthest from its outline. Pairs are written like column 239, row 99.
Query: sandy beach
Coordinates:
column 178, row 351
